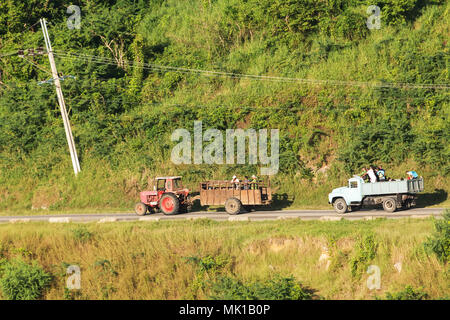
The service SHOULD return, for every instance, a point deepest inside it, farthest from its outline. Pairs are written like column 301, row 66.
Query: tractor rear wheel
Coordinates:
column 169, row 204
column 233, row 206
column 140, row 209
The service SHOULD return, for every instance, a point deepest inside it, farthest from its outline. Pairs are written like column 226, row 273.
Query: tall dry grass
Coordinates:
column 149, row 260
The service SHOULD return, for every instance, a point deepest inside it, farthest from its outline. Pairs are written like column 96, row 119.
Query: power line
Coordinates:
column 108, row 61
column 8, row 54
column 36, row 65
column 104, row 101
column 27, row 29
column 103, row 82
column 23, row 32
column 153, row 67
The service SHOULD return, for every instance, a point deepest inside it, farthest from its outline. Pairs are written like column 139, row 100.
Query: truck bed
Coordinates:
column 392, row 187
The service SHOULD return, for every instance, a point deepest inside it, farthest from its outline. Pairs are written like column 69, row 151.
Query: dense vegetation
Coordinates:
column 123, row 112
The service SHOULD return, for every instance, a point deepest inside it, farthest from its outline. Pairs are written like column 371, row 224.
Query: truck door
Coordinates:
column 354, row 192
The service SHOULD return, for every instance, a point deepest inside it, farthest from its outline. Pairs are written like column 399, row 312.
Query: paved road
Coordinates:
column 221, row 216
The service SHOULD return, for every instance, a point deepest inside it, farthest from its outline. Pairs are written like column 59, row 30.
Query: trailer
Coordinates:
column 235, row 196
column 392, row 195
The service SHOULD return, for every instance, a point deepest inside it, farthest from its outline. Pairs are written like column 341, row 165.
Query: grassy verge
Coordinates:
column 203, row 259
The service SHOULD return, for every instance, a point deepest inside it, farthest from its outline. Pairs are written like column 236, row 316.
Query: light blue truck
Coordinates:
column 392, row 195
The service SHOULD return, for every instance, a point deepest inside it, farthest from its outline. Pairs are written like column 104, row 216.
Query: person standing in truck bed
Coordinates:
column 381, row 174
column 412, row 175
column 363, row 174
column 371, row 174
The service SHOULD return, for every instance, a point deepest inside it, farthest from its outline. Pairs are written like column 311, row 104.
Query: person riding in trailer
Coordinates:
column 254, row 183
column 246, row 183
column 235, row 182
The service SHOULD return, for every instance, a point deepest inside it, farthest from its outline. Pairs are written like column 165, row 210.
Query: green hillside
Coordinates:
column 134, row 61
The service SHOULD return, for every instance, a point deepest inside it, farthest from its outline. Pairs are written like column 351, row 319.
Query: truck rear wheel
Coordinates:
column 340, row 206
column 169, row 204
column 233, row 206
column 390, row 205
column 140, row 209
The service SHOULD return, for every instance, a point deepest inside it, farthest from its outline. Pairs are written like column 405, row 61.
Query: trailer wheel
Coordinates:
column 233, row 206
column 169, row 204
column 140, row 209
column 390, row 205
column 340, row 206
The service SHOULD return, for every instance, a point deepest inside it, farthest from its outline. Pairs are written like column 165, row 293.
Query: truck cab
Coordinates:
column 352, row 193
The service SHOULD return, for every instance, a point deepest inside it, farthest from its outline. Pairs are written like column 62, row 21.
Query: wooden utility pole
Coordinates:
column 62, row 104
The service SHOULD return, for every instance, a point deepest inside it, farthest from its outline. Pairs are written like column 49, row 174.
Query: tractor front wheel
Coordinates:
column 169, row 204
column 140, row 209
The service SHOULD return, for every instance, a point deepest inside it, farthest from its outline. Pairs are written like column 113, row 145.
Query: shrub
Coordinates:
column 409, row 293
column 277, row 288
column 209, row 263
column 106, row 267
column 439, row 243
column 21, row 281
column 366, row 251
column 82, row 234
column 226, row 288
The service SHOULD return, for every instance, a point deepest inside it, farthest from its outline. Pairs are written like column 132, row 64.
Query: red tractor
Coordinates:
column 168, row 195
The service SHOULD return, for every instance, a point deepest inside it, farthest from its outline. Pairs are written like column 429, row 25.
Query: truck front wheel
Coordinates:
column 340, row 206
column 389, row 205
